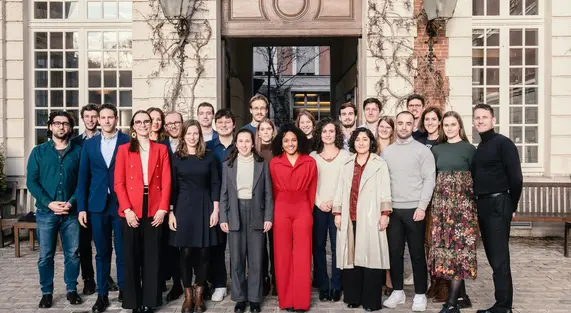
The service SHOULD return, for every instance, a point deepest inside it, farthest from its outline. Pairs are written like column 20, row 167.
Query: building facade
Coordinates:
column 514, row 55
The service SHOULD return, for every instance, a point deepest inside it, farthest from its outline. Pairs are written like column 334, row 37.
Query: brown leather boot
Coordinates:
column 434, row 284
column 187, row 305
column 199, row 305
column 442, row 292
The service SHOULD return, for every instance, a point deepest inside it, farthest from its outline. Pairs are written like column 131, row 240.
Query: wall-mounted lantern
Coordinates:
column 436, row 9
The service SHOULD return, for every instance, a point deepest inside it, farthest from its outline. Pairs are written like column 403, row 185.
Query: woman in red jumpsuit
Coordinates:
column 294, row 177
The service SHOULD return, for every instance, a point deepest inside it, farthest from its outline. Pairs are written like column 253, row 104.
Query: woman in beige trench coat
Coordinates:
column 362, row 206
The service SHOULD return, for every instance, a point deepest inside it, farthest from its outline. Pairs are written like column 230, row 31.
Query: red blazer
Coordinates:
column 129, row 184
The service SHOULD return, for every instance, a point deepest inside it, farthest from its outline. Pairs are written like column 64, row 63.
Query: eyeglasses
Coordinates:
column 60, row 124
column 139, row 123
column 414, row 105
column 173, row 124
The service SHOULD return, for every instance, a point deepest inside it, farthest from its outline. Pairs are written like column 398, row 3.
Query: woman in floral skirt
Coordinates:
column 454, row 219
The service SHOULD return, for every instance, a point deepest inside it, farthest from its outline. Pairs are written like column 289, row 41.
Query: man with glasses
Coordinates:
column 95, row 195
column 415, row 105
column 170, row 256
column 373, row 108
column 259, row 109
column 52, row 172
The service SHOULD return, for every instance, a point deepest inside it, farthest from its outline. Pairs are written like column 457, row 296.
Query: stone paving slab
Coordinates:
column 542, row 283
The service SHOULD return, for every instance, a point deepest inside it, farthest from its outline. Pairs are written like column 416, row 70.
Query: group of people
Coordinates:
column 171, row 195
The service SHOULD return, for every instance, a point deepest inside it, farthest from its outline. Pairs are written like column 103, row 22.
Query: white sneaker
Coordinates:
column 397, row 297
column 409, row 280
column 219, row 294
column 419, row 303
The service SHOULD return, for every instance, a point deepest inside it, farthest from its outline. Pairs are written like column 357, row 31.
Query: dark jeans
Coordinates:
column 48, row 227
column 402, row 227
column 494, row 218
column 324, row 224
column 86, row 252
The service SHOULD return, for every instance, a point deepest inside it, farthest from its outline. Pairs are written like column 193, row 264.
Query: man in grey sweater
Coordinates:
column 412, row 169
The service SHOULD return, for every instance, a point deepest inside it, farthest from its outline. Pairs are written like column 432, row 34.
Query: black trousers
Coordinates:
column 268, row 267
column 494, row 218
column 217, row 275
column 194, row 260
column 141, row 246
column 86, row 252
column 402, row 227
column 170, row 257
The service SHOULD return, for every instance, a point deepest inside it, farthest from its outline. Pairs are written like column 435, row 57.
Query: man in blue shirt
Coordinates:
column 221, row 147
column 52, row 173
column 95, row 195
column 259, row 106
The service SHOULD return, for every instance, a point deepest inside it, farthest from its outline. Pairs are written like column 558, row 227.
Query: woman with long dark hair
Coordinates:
column 246, row 214
column 329, row 157
column 294, row 178
column 143, row 186
column 430, row 127
column 195, row 196
column 158, row 132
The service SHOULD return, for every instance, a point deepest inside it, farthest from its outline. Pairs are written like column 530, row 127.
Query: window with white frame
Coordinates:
column 507, row 69
column 306, row 61
column 88, row 61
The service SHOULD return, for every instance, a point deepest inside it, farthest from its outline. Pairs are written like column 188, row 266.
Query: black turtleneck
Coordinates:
column 496, row 167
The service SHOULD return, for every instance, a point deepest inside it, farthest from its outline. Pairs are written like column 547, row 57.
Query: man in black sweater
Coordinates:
column 496, row 171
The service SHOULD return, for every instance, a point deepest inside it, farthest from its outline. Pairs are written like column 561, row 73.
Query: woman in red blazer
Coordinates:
column 143, row 186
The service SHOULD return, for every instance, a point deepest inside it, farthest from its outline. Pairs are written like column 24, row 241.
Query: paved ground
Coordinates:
column 542, row 282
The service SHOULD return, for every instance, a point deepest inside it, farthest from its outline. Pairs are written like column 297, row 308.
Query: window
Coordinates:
column 109, row 10
column 55, row 9
column 306, row 61
column 494, row 7
column 523, row 7
column 485, row 7
column 261, row 59
column 317, row 103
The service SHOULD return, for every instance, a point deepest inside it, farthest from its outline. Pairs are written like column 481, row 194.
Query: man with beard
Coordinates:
column 95, row 195
column 52, row 172
column 347, row 116
column 170, row 256
column 205, row 115
column 221, row 147
column 373, row 108
column 415, row 105
column 259, row 109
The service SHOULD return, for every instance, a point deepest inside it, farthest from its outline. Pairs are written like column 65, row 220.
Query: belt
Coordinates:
column 146, row 190
column 491, row 195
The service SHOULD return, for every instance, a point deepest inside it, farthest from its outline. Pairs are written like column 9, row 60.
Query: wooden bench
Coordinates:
column 546, row 202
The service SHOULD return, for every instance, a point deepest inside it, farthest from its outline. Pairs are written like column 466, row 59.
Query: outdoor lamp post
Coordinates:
column 436, row 9
column 176, row 9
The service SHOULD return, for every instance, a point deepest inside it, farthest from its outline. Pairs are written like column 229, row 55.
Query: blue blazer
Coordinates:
column 95, row 179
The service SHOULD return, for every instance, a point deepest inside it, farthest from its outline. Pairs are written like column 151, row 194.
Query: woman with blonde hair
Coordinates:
column 306, row 122
column 385, row 133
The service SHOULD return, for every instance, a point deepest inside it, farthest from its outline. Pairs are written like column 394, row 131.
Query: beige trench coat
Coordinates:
column 371, row 249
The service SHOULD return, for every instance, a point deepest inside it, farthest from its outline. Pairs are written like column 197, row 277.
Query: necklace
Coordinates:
column 329, row 158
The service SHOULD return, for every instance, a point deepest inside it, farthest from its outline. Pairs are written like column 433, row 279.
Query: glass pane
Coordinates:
column 41, row 40
column 94, row 79
column 110, row 59
column 56, row 40
column 125, row 117
column 72, row 79
column 531, row 95
column 125, row 41
column 520, row 152
column 516, row 7
column 74, row 115
column 516, row 96
column 125, row 60
column 531, row 76
column 531, row 37
column 492, row 96
column 477, row 7
column 41, row 60
column 109, row 40
column 110, row 96
column 56, row 98
column 71, row 10
column 531, row 7
column 56, row 60
column 40, row 10
column 56, row 10
column 492, row 76
column 531, row 134
column 41, row 117
column 94, row 59
column 125, row 98
column 478, row 57
column 110, row 10
column 41, row 79
column 515, row 37
column 477, row 95
column 531, row 115
column 94, row 10
column 516, row 115
column 493, row 7
column 477, row 76
column 41, row 98
column 516, row 76
column 109, row 79
column 497, row 115
column 493, row 57
column 493, row 38
column 72, row 98
column 125, row 10
column 94, row 41
column 71, row 40
column 516, row 134
column 515, row 57
column 56, row 79
column 41, row 136
column 531, row 154
column 531, row 56
column 71, row 59
column 95, row 96
column 125, row 79
column 477, row 38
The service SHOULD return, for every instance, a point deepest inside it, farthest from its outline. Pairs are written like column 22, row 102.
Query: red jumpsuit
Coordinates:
column 294, row 194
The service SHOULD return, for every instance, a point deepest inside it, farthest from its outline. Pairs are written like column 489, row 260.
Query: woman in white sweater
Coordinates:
column 330, row 157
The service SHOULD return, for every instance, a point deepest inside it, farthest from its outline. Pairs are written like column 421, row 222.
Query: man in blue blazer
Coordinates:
column 95, row 195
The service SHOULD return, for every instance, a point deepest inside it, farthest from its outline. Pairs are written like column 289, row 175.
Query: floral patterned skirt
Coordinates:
column 454, row 230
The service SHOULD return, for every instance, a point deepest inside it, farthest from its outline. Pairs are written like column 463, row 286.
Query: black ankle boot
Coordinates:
column 447, row 308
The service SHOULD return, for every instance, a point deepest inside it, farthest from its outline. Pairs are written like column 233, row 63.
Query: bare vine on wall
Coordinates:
column 174, row 48
column 403, row 68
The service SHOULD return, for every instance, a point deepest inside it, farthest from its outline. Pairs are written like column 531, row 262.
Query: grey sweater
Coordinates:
column 413, row 172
